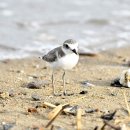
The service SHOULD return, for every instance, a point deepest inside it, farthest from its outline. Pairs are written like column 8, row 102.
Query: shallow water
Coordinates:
column 32, row 27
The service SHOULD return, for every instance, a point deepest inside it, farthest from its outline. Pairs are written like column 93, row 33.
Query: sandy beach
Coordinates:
column 100, row 70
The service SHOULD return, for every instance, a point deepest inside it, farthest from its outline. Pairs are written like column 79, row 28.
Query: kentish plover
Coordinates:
column 64, row 57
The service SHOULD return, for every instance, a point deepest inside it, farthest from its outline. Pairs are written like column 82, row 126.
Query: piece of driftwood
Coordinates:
column 54, row 113
column 47, row 104
column 79, row 115
column 67, row 110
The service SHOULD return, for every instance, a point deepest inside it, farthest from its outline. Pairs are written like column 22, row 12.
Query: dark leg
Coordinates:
column 64, row 89
column 52, row 78
column 53, row 86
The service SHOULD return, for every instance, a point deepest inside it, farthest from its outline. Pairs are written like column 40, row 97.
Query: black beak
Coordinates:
column 74, row 51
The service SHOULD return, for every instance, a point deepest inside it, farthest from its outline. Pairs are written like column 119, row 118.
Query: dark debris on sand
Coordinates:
column 116, row 83
column 36, row 84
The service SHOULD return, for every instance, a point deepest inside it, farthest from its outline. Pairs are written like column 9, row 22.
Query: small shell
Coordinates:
column 125, row 78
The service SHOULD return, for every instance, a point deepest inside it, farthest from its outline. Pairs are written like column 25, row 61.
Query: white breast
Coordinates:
column 67, row 62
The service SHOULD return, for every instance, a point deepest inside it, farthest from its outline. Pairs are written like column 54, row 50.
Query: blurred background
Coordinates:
column 32, row 27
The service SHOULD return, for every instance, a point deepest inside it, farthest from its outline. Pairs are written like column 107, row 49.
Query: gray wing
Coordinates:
column 53, row 55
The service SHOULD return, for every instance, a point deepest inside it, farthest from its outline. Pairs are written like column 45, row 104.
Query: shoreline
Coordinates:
column 28, row 55
column 99, row 70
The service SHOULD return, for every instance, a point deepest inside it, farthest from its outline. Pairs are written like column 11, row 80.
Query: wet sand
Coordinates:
column 99, row 70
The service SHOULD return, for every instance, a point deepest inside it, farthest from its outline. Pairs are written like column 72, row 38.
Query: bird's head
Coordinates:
column 70, row 46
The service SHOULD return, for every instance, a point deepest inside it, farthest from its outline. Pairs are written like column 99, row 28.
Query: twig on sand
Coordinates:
column 79, row 114
column 54, row 113
column 47, row 104
column 52, row 127
column 126, row 102
column 106, row 123
column 96, row 128
column 66, row 110
column 58, row 109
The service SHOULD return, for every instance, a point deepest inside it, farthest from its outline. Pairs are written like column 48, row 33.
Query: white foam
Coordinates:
column 7, row 12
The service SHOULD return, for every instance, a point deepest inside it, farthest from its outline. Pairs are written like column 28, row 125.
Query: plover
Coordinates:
column 64, row 57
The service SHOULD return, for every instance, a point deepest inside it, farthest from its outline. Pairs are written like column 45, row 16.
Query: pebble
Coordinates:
column 33, row 85
column 72, row 109
column 36, row 97
column 37, row 84
column 83, row 92
column 11, row 93
column 20, row 71
column 87, row 84
column 109, row 116
column 113, row 94
column 89, row 110
column 7, row 126
column 32, row 110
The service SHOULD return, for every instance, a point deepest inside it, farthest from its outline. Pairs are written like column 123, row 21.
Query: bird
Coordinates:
column 64, row 57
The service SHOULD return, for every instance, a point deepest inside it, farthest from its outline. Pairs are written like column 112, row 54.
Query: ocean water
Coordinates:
column 32, row 27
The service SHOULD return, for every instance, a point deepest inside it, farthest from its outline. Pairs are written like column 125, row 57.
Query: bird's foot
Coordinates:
column 67, row 94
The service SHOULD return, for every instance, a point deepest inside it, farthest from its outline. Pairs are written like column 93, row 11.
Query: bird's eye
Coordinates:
column 67, row 46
